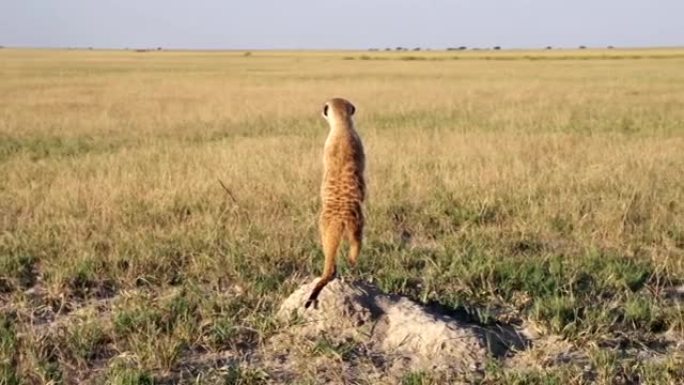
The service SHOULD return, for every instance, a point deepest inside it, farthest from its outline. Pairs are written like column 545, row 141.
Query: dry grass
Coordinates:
column 549, row 192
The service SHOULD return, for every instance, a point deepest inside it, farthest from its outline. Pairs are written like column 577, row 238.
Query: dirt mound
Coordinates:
column 407, row 336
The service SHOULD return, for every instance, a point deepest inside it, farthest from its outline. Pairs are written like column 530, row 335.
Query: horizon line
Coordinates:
column 397, row 48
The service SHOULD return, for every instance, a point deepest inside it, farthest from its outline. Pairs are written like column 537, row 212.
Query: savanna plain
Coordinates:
column 157, row 207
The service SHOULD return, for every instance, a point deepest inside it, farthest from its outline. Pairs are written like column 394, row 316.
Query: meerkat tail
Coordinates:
column 331, row 237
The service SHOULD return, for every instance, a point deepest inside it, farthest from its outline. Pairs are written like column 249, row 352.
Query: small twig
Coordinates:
column 240, row 210
column 230, row 194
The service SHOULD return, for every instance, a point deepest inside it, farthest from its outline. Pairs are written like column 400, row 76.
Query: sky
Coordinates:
column 341, row 24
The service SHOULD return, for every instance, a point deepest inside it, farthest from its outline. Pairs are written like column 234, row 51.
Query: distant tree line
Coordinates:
column 463, row 48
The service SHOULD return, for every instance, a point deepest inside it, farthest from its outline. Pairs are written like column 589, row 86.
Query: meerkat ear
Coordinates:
column 351, row 109
column 325, row 110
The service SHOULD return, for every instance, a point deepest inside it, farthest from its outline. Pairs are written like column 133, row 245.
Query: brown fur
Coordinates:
column 343, row 190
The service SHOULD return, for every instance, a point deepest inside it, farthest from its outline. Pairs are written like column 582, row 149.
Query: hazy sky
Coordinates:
column 340, row 24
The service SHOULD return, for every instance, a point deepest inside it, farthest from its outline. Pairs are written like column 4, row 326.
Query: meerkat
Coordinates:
column 342, row 192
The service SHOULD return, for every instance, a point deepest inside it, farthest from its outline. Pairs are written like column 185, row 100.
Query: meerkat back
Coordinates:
column 343, row 190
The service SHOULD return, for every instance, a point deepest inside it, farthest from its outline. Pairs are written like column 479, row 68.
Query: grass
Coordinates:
column 548, row 192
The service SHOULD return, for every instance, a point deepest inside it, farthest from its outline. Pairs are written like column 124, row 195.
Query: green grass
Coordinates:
column 545, row 192
column 8, row 351
column 242, row 376
column 415, row 378
column 121, row 373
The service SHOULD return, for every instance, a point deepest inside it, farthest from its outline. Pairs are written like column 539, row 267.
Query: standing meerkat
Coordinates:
column 343, row 189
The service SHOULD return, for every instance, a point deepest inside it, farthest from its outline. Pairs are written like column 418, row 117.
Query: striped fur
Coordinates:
column 343, row 190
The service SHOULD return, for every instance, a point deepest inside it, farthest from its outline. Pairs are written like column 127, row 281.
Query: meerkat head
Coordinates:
column 338, row 110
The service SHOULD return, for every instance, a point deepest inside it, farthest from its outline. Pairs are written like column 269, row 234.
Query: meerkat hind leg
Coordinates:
column 355, row 239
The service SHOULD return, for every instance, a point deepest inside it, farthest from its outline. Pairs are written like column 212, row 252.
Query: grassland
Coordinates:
column 544, row 189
